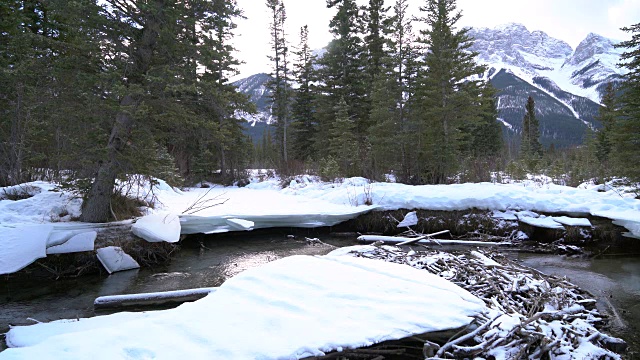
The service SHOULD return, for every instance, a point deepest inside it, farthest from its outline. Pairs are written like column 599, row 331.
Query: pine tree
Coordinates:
column 484, row 136
column 303, row 109
column 341, row 73
column 386, row 133
column 342, row 143
column 608, row 117
column 50, row 85
column 280, row 86
column 447, row 97
column 169, row 62
column 626, row 134
column 404, row 58
column 530, row 147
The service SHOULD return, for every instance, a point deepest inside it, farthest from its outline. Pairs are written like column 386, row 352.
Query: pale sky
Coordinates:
column 568, row 20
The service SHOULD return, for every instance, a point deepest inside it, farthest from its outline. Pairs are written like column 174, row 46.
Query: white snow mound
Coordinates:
column 158, row 227
column 22, row 246
column 292, row 308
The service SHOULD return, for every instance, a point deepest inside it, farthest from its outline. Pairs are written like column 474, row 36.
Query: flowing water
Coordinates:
column 614, row 282
column 208, row 263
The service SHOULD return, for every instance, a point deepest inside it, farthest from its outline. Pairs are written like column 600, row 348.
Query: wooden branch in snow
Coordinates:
column 424, row 237
column 426, row 240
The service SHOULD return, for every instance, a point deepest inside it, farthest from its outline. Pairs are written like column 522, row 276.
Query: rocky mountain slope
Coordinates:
column 566, row 83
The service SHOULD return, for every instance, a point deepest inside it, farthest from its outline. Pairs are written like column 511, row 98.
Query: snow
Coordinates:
column 410, row 219
column 114, row 259
column 487, row 261
column 82, row 242
column 542, row 222
column 531, row 195
column 306, row 203
column 565, row 220
column 158, row 227
column 288, row 309
column 22, row 246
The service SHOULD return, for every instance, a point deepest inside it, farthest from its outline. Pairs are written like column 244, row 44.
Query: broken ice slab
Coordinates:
column 114, row 259
column 81, row 242
column 159, row 227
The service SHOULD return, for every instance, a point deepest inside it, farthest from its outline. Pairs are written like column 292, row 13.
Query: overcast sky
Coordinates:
column 568, row 20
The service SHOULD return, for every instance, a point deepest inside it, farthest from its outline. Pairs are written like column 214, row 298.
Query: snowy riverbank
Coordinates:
column 306, row 202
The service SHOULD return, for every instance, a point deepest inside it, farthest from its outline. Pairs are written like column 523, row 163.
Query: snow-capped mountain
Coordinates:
column 566, row 83
column 584, row 71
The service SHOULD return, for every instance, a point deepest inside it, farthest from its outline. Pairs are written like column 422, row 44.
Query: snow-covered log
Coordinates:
column 146, row 299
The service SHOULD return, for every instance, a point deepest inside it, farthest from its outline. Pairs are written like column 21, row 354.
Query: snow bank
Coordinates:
column 542, row 222
column 21, row 246
column 82, row 242
column 158, row 227
column 528, row 195
column 288, row 309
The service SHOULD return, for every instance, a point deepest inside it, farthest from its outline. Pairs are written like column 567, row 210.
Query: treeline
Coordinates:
column 92, row 91
column 385, row 99
column 97, row 90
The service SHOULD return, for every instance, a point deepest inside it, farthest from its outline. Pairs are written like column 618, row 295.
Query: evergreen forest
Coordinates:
column 92, row 92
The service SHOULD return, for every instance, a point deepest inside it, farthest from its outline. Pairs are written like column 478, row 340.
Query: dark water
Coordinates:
column 614, row 282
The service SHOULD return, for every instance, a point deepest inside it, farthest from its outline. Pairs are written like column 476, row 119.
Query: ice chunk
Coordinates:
column 239, row 224
column 78, row 243
column 410, row 219
column 565, row 220
column 542, row 222
column 115, row 259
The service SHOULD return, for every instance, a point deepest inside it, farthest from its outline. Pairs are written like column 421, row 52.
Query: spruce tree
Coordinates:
column 386, row 133
column 530, row 147
column 607, row 116
column 280, row 86
column 169, row 63
column 341, row 73
column 342, row 143
column 626, row 133
column 303, row 109
column 447, row 95
column 50, row 84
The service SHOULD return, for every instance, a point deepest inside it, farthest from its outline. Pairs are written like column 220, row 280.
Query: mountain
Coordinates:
column 566, row 83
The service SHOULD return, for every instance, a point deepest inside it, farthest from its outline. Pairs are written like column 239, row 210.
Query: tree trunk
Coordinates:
column 97, row 205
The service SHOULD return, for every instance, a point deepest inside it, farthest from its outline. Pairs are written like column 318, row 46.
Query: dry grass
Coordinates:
column 124, row 207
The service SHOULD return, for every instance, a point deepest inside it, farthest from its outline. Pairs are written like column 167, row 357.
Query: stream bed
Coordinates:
column 208, row 262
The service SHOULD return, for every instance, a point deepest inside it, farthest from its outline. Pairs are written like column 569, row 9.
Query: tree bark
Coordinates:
column 97, row 205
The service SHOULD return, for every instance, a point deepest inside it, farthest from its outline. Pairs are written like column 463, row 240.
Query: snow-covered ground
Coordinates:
column 291, row 308
column 305, row 202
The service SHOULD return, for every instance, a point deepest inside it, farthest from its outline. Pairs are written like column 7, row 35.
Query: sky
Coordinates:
column 568, row 20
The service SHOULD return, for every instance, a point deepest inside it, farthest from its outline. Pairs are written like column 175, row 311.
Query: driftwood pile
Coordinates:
column 531, row 315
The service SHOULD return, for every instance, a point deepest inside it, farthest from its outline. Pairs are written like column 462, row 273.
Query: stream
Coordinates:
column 615, row 282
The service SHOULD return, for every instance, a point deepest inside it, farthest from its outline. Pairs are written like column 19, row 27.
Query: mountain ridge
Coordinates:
column 566, row 83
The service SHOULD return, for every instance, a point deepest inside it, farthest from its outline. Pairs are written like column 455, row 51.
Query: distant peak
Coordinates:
column 511, row 26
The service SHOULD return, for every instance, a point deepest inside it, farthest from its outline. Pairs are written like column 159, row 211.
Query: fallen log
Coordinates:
column 148, row 299
column 424, row 240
